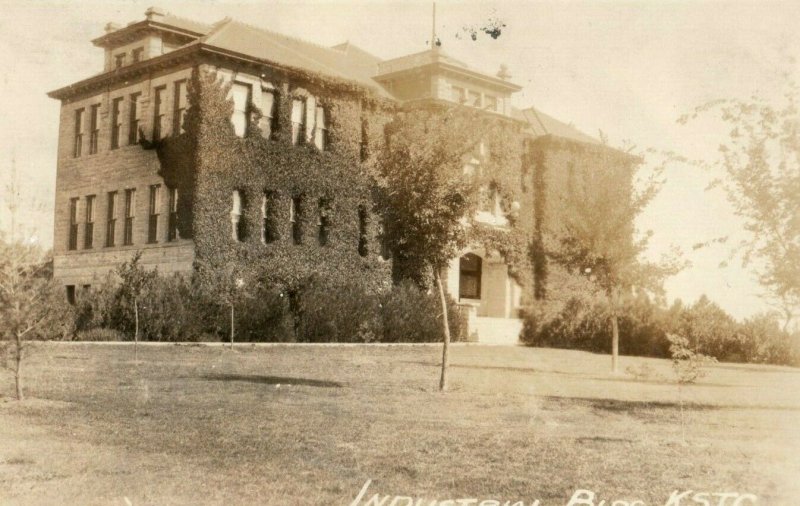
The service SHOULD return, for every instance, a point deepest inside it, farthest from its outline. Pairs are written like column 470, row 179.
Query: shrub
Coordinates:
column 335, row 312
column 409, row 314
column 583, row 323
column 100, row 334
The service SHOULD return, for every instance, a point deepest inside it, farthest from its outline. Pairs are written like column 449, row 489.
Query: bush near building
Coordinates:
column 582, row 323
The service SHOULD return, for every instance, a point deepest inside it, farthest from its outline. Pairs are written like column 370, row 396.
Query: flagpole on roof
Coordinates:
column 433, row 28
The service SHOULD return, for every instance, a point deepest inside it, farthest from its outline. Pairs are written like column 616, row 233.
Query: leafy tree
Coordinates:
column 595, row 234
column 28, row 302
column 427, row 198
column 688, row 367
column 134, row 281
column 759, row 166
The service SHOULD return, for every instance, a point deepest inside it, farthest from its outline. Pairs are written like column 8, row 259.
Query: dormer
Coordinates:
column 159, row 33
column 433, row 75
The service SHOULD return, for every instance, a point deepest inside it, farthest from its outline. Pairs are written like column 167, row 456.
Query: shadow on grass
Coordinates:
column 273, row 380
column 622, row 378
column 640, row 407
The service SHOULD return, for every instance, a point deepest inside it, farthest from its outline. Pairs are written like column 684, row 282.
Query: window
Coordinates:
column 76, row 152
column 154, row 211
column 488, row 199
column 94, row 132
column 310, row 120
column 73, row 225
column 269, row 229
column 71, row 294
column 324, row 222
column 158, row 112
column 116, row 121
column 237, row 224
column 111, row 221
column 320, row 129
column 119, row 60
column 179, row 113
column 241, row 100
column 296, row 218
column 134, row 119
column 490, row 103
column 137, row 54
column 88, row 236
column 362, row 231
column 459, row 94
column 268, row 123
column 473, row 98
column 172, row 232
column 298, row 120
column 130, row 210
column 364, row 154
column 469, row 281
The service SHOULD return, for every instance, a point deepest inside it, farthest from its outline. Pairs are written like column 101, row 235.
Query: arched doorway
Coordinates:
column 470, row 273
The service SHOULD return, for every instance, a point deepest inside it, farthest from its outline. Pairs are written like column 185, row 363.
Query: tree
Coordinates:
column 759, row 168
column 27, row 304
column 427, row 198
column 134, row 281
column 595, row 234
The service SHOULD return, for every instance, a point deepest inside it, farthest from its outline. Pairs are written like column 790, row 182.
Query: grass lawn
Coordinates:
column 290, row 425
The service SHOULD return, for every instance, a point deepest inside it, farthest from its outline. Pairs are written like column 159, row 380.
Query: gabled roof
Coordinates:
column 543, row 124
column 343, row 62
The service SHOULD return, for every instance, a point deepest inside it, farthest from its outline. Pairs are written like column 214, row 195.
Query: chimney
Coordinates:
column 154, row 12
column 111, row 27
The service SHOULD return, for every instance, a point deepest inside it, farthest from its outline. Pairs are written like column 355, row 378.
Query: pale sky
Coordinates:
column 626, row 68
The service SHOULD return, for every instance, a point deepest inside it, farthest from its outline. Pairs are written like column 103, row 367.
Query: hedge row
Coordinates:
column 175, row 308
column 643, row 326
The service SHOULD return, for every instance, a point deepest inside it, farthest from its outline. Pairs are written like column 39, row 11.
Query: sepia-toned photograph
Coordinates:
column 400, row 253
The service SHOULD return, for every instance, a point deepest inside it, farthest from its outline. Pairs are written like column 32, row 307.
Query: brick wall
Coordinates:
column 127, row 167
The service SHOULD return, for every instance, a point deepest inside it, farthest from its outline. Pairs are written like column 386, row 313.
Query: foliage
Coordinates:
column 759, row 165
column 710, row 330
column 344, row 312
column 595, row 233
column 687, row 364
column 410, row 314
column 30, row 304
column 273, row 167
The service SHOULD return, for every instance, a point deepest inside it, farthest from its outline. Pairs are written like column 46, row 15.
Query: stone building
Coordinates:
column 124, row 183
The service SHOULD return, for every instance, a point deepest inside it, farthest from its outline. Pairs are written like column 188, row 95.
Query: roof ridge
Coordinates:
column 283, row 35
column 229, row 21
column 167, row 13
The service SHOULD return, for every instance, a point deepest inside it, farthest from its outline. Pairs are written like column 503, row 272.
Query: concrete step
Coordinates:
column 503, row 331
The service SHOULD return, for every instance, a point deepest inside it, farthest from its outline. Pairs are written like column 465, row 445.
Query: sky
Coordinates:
column 626, row 68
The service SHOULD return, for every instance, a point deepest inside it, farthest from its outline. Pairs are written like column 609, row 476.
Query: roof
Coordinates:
column 155, row 19
column 344, row 61
column 438, row 58
column 544, row 124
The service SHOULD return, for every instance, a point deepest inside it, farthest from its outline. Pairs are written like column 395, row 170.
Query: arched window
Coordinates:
column 469, row 281
column 236, row 216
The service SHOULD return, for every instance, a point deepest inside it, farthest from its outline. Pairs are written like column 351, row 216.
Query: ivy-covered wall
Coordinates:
column 209, row 162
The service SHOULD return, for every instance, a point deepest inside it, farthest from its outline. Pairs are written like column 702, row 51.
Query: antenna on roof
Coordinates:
column 435, row 43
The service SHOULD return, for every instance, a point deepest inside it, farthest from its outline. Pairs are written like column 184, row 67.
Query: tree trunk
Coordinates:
column 612, row 300
column 18, row 368
column 136, row 330
column 614, row 344
column 232, row 327
column 446, row 327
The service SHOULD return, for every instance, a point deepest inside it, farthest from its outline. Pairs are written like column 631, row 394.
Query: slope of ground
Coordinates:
column 286, row 425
